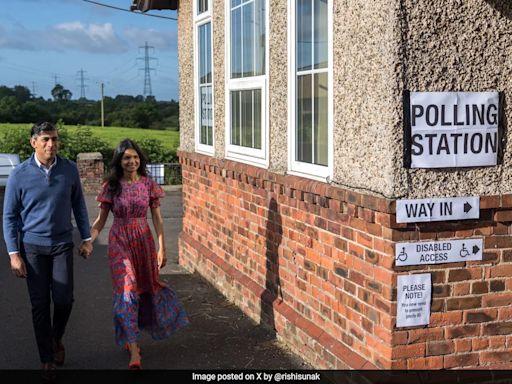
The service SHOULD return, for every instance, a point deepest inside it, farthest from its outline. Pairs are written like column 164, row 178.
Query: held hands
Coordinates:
column 162, row 258
column 18, row 266
column 85, row 249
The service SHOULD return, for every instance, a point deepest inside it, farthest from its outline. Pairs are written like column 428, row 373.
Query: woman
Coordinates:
column 140, row 300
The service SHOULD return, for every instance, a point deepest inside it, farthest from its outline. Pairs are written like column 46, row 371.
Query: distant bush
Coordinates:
column 17, row 141
column 82, row 140
column 156, row 152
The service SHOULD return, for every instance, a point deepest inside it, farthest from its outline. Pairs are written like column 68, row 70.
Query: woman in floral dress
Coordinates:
column 141, row 301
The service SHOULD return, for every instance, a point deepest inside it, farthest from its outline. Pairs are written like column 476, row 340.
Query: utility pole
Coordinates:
column 55, row 79
column 102, row 87
column 82, row 83
column 147, row 69
column 34, row 89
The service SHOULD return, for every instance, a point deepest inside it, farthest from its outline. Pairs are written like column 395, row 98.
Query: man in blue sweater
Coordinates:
column 40, row 194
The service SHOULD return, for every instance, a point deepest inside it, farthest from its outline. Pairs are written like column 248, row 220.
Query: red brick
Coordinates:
column 503, row 215
column 408, row 351
column 440, row 348
column 495, row 357
column 497, row 300
column 462, row 331
column 487, row 202
column 464, row 303
column 504, row 270
column 461, row 361
column 479, row 344
column 431, row 362
column 498, row 242
column 462, row 345
column 482, row 316
column 501, row 328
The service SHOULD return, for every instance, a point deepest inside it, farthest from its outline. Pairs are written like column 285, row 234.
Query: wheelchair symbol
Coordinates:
column 402, row 256
column 464, row 252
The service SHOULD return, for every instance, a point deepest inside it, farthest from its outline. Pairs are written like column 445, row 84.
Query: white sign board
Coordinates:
column 437, row 209
column 438, row 252
column 453, row 129
column 413, row 300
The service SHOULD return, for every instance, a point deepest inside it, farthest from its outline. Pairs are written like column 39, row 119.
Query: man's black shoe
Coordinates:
column 48, row 373
column 59, row 353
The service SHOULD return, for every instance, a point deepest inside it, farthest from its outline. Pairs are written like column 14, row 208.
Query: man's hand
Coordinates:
column 85, row 249
column 18, row 266
column 162, row 258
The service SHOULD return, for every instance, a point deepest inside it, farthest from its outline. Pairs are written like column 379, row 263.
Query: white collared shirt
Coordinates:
column 43, row 167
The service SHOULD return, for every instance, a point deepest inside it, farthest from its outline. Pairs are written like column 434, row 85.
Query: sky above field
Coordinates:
column 42, row 41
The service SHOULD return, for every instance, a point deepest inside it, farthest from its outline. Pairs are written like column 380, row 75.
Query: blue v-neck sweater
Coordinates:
column 38, row 206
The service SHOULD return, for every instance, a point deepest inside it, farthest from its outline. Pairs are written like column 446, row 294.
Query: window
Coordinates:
column 203, row 78
column 202, row 7
column 246, row 52
column 311, row 88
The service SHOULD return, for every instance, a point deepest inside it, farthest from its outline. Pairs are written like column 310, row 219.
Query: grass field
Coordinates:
column 113, row 135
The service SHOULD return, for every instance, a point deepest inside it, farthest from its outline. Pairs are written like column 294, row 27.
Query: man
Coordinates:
column 40, row 194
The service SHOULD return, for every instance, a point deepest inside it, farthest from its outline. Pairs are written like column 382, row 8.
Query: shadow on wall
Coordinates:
column 273, row 236
column 502, row 6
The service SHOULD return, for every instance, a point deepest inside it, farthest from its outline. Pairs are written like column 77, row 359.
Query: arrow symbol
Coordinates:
column 475, row 249
column 467, row 207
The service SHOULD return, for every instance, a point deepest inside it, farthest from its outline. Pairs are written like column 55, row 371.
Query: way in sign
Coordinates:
column 437, row 209
column 427, row 209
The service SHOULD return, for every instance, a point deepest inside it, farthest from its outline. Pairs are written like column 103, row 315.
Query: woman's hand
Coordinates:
column 162, row 258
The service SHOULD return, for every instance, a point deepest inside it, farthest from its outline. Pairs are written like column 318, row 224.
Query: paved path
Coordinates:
column 220, row 336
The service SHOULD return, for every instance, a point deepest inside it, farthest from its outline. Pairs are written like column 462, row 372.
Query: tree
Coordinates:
column 60, row 93
column 22, row 93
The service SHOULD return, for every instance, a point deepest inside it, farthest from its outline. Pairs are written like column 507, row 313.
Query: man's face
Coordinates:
column 46, row 145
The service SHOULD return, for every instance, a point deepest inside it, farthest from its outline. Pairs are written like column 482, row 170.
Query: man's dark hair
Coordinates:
column 37, row 129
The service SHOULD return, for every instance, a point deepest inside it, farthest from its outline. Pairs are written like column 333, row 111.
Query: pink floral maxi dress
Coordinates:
column 140, row 299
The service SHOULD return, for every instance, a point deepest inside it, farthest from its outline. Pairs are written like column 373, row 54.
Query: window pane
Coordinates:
column 257, row 118
column 260, row 36
column 248, row 42
column 248, row 39
column 206, row 115
column 321, row 33
column 320, row 119
column 235, row 118
column 234, row 3
column 205, row 54
column 236, row 43
column 202, row 6
column 304, row 128
column 247, row 118
column 304, row 35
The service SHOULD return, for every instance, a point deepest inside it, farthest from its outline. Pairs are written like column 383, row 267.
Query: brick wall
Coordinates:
column 316, row 263
column 91, row 170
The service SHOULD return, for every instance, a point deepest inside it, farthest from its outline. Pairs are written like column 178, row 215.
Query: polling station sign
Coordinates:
column 452, row 129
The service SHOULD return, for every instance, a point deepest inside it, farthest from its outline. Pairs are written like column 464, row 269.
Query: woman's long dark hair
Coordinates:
column 116, row 171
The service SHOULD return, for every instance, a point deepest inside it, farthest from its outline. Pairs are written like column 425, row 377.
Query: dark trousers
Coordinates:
column 49, row 276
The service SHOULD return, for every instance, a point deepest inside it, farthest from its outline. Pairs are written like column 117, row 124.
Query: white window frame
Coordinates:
column 203, row 15
column 298, row 168
column 200, row 20
column 253, row 156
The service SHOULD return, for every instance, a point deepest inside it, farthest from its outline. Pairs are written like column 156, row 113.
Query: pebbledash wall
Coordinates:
column 315, row 260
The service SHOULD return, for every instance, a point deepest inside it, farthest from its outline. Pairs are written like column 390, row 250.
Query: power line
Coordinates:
column 127, row 10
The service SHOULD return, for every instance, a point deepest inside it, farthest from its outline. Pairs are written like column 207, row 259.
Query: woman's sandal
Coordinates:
column 137, row 364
